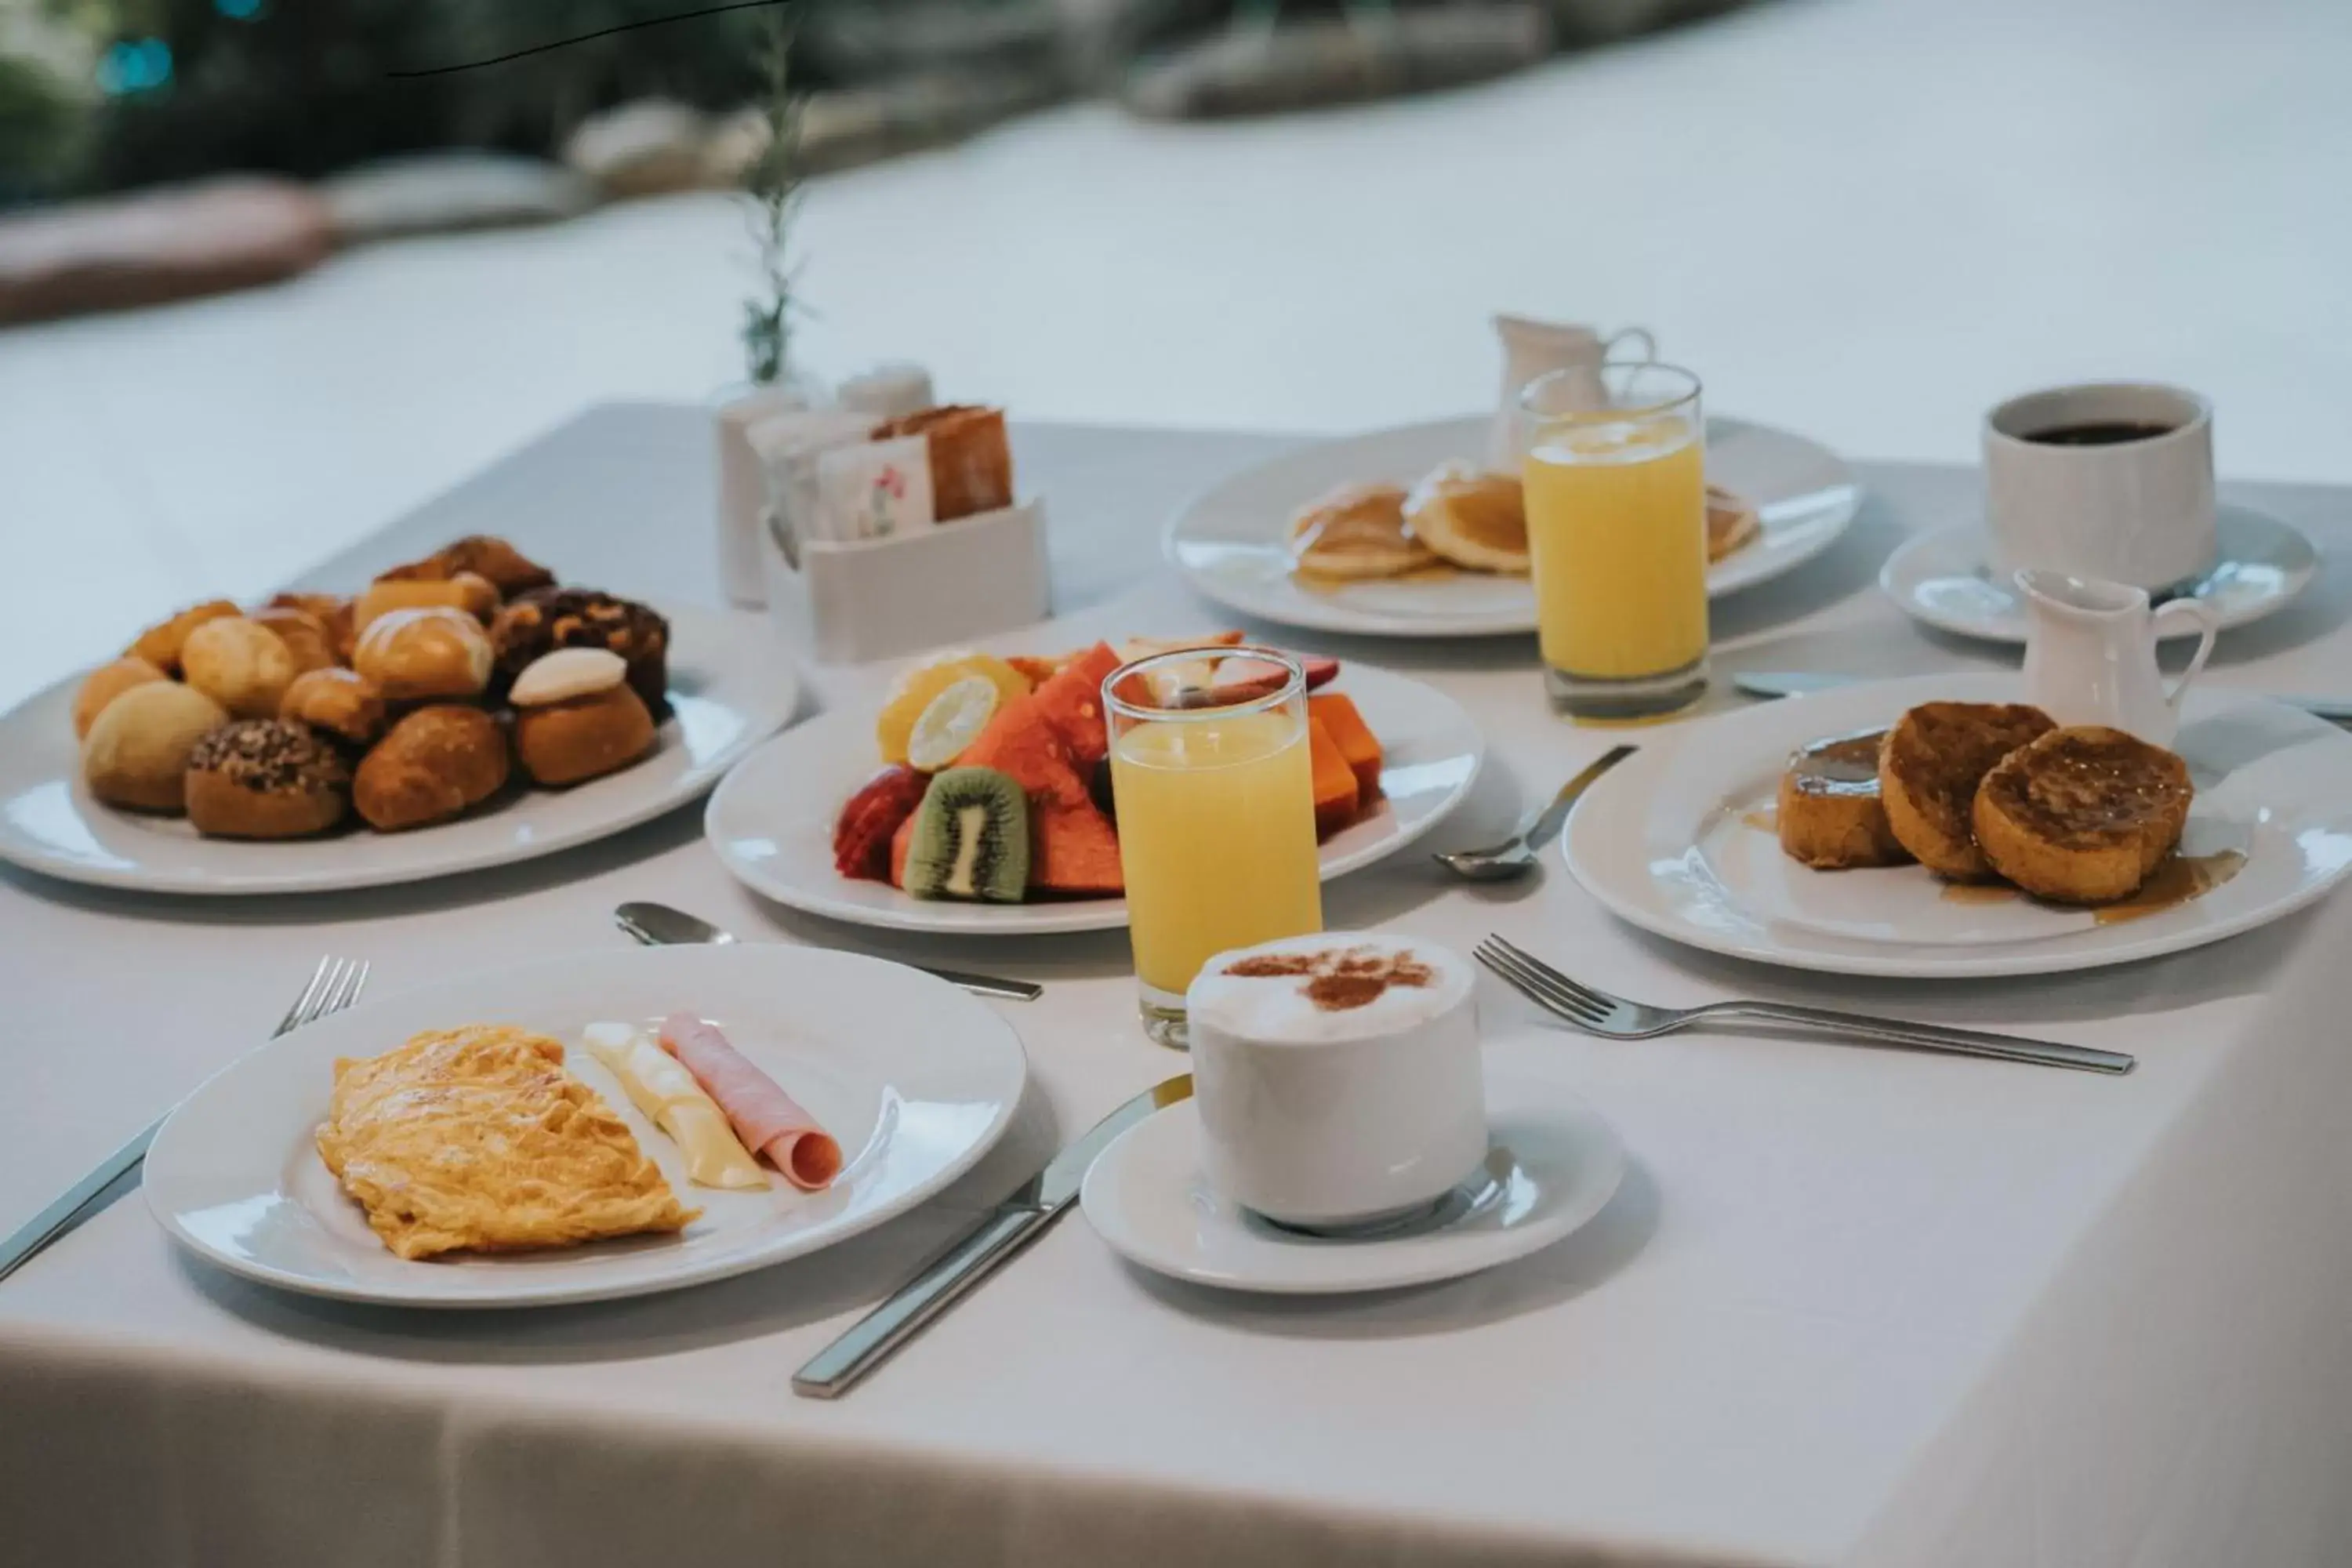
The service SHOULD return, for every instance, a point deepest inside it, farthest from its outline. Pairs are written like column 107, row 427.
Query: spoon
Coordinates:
column 658, row 925
column 1513, row 855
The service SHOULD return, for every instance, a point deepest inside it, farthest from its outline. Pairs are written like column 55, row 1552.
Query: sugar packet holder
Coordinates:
column 851, row 602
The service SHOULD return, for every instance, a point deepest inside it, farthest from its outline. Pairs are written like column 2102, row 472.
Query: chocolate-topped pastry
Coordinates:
column 266, row 778
column 546, row 619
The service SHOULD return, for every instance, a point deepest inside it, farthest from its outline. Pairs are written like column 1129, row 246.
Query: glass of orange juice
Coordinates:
column 1616, row 499
column 1215, row 797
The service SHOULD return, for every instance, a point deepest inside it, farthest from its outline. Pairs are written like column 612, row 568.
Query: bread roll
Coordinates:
column 580, row 738
column 306, row 637
column 137, row 753
column 421, row 654
column 344, row 702
column 463, row 592
column 239, row 664
column 107, row 682
column 160, row 645
column 264, row 778
column 431, row 766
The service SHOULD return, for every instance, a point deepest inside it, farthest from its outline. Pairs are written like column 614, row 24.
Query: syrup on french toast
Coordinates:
column 1828, row 813
column 2082, row 816
column 1928, row 770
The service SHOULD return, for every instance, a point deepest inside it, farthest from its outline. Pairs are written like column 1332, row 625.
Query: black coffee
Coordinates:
column 2102, row 433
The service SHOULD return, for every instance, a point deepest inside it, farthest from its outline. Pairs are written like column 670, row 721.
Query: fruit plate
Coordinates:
column 772, row 819
column 1233, row 543
column 1677, row 841
column 728, row 685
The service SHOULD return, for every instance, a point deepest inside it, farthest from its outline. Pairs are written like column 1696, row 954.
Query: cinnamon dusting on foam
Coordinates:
column 1340, row 979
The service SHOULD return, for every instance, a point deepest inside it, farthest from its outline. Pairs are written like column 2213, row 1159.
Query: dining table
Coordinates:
column 1850, row 1305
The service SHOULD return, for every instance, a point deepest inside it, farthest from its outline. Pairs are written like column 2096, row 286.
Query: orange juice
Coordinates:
column 1617, row 528
column 1216, row 836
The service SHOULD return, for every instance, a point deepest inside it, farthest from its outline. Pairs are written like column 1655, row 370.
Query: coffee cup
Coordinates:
column 1338, row 1076
column 2112, row 480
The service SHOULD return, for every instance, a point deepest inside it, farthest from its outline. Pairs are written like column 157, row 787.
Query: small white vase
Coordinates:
column 742, row 489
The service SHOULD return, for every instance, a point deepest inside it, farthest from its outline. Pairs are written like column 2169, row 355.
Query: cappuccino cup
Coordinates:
column 1338, row 1076
column 2112, row 480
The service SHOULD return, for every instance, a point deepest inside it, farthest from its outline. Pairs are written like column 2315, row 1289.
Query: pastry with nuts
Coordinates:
column 576, row 717
column 546, row 619
column 266, row 778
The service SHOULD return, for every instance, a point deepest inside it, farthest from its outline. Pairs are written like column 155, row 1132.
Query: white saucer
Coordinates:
column 1942, row 578
column 1553, row 1165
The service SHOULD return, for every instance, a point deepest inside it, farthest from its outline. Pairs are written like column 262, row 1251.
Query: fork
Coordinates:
column 1599, row 1013
column 334, row 985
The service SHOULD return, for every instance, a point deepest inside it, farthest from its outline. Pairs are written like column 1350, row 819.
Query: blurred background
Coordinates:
column 271, row 272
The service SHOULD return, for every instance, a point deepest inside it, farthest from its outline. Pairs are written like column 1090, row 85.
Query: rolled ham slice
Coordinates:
column 767, row 1119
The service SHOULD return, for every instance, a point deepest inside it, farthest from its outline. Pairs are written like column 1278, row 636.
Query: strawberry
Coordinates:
column 861, row 836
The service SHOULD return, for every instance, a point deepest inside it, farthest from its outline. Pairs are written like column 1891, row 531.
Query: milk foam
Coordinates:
column 1278, row 1009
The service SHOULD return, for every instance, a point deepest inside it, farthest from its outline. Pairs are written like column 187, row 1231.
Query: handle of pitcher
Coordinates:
column 2208, row 622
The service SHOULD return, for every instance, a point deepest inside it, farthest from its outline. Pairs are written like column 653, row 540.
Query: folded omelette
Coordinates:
column 478, row 1138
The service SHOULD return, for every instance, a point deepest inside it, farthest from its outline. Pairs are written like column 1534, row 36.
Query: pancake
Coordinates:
column 1731, row 524
column 2083, row 815
column 1929, row 771
column 1473, row 519
column 1355, row 533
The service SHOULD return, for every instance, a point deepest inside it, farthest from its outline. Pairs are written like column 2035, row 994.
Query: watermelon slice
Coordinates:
column 1022, row 742
column 1074, row 849
column 1072, row 703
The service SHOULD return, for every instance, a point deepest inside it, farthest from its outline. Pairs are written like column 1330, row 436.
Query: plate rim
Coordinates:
column 1925, row 541
column 1059, row 917
column 1910, row 960
column 689, row 787
column 581, row 1292
column 1558, row 1102
column 1430, row 628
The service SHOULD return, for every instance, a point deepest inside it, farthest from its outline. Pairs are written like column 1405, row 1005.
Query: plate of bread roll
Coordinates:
column 466, row 710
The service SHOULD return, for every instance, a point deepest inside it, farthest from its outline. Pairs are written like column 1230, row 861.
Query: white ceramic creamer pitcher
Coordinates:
column 2091, row 655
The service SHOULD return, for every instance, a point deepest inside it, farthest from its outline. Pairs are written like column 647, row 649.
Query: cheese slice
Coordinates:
column 667, row 1095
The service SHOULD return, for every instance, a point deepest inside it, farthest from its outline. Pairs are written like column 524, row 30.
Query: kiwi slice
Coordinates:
column 971, row 838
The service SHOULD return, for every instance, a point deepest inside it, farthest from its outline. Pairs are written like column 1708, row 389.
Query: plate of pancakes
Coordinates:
column 1401, row 533
column 1940, row 827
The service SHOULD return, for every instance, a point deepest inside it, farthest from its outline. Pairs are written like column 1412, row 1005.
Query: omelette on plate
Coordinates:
column 476, row 1139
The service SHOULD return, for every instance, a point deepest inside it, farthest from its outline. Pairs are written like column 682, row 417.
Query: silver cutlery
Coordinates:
column 334, row 985
column 1515, row 855
column 658, row 925
column 975, row 1255
column 1599, row 1013
column 1798, row 683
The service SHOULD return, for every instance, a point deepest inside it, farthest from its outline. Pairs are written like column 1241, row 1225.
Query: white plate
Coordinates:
column 1942, row 578
column 729, row 683
column 1233, row 543
column 1552, row 1165
column 913, row 1078
column 772, row 820
column 1662, row 840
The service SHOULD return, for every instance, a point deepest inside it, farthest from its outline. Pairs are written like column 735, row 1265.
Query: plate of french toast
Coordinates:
column 464, row 710
column 1942, row 827
column 1411, row 531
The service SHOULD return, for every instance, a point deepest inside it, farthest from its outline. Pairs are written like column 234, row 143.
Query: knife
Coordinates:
column 1797, row 683
column 978, row 1253
column 658, row 925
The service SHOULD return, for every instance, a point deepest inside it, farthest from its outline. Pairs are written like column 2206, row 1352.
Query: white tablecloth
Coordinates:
column 1851, row 1305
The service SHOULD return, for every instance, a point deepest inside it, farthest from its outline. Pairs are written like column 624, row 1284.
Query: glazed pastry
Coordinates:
column 415, row 655
column 435, row 764
column 342, row 702
column 576, row 718
column 107, row 682
column 137, row 753
column 333, row 611
column 507, row 569
column 264, row 778
column 160, row 645
column 240, row 664
column 306, row 637
column 971, row 461
column 1357, row 533
column 549, row 618
column 1473, row 520
column 463, row 592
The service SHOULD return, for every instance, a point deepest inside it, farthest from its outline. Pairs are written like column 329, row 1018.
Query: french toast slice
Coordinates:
column 2083, row 815
column 1829, row 815
column 1929, row 769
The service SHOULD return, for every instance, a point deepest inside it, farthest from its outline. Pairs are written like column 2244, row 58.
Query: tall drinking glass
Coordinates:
column 1616, row 497
column 1210, row 771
